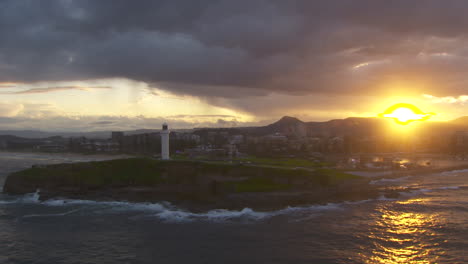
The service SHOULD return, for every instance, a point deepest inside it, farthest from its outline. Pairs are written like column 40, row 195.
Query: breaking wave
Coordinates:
column 384, row 180
column 165, row 211
column 425, row 190
column 27, row 198
column 449, row 188
column 453, row 172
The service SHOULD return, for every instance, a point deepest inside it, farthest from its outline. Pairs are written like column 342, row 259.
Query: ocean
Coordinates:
column 428, row 224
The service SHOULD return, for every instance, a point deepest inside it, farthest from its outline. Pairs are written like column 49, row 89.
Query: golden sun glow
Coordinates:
column 404, row 114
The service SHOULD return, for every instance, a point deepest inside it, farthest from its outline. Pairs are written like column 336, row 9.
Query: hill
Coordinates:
column 463, row 121
column 292, row 126
column 355, row 126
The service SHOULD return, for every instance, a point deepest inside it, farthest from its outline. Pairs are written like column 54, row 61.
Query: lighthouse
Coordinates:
column 165, row 142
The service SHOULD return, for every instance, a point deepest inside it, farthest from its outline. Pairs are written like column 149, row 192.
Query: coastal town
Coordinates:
column 353, row 143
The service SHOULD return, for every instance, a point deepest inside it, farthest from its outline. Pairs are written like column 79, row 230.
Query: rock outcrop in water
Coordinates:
column 194, row 185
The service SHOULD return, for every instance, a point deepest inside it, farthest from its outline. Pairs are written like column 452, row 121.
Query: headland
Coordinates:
column 193, row 185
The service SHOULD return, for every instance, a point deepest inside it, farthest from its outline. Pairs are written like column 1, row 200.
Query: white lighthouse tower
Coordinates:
column 165, row 142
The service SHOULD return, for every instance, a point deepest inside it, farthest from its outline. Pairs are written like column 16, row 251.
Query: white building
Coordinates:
column 165, row 142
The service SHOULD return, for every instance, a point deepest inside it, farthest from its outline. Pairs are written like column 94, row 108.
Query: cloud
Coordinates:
column 200, row 116
column 264, row 58
column 462, row 99
column 28, row 110
column 238, row 48
column 10, row 109
column 7, row 84
column 57, row 89
column 105, row 123
column 368, row 64
column 227, row 123
column 102, row 123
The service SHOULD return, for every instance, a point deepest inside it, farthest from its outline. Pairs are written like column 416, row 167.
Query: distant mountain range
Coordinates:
column 293, row 126
column 364, row 126
column 361, row 126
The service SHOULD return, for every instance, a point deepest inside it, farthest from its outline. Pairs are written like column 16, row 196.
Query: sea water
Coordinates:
column 428, row 224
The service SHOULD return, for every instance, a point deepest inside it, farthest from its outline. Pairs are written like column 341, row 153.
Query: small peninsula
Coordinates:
column 193, row 185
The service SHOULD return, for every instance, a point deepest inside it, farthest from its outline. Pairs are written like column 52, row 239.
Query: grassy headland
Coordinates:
column 143, row 179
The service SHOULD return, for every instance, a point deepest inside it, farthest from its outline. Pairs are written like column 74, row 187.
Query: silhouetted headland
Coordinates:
column 189, row 184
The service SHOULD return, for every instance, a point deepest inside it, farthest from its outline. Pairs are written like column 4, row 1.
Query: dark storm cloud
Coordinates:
column 234, row 49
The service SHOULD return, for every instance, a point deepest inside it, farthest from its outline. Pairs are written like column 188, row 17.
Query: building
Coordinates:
column 51, row 148
column 117, row 136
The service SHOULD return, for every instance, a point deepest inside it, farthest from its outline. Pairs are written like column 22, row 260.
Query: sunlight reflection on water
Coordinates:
column 405, row 237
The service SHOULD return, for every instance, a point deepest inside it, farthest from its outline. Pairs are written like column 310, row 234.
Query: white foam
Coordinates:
column 302, row 209
column 454, row 172
column 414, row 192
column 449, row 188
column 358, row 202
column 169, row 213
column 227, row 214
column 175, row 216
column 50, row 215
column 222, row 215
column 421, row 191
column 383, row 198
column 164, row 210
column 217, row 215
column 27, row 198
column 384, row 180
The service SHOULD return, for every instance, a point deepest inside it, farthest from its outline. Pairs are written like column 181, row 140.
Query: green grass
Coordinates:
column 137, row 171
column 179, row 157
column 259, row 185
column 275, row 162
column 336, row 175
column 150, row 172
column 283, row 162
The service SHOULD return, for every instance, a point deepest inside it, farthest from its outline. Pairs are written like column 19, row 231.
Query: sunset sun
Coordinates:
column 404, row 114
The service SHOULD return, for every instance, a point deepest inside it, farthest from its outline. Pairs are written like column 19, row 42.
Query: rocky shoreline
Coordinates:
column 261, row 201
column 194, row 186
